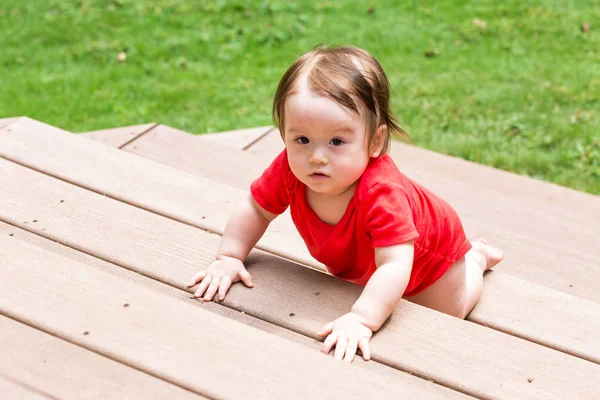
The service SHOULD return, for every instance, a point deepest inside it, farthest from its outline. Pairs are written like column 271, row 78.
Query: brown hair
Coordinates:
column 351, row 77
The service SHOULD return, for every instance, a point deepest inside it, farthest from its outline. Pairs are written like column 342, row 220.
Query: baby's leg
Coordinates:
column 459, row 289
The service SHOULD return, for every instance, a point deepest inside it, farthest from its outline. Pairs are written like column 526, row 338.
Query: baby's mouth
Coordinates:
column 318, row 175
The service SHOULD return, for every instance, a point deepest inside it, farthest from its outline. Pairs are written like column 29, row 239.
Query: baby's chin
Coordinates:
column 328, row 190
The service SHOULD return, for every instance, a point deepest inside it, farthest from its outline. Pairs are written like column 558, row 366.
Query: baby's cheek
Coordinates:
column 353, row 169
column 296, row 170
column 294, row 164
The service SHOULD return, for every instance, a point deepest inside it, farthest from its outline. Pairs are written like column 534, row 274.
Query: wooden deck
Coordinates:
column 100, row 232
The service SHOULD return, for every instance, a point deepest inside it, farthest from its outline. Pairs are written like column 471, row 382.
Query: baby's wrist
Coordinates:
column 366, row 316
column 221, row 257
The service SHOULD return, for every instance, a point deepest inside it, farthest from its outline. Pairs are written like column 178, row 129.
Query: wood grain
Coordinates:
column 182, row 196
column 181, row 343
column 181, row 294
column 415, row 339
column 66, row 371
column 118, row 137
column 238, row 139
column 11, row 389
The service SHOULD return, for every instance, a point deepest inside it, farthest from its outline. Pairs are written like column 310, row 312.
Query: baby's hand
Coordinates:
column 219, row 276
column 347, row 333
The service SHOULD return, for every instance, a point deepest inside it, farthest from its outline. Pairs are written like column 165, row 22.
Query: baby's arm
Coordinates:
column 377, row 301
column 245, row 227
column 386, row 286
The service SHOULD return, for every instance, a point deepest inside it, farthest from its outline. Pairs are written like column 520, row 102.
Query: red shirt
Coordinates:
column 387, row 209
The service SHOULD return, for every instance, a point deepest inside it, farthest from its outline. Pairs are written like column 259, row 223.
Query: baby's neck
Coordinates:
column 330, row 208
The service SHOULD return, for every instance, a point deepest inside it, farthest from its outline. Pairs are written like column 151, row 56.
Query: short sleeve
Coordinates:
column 270, row 189
column 388, row 215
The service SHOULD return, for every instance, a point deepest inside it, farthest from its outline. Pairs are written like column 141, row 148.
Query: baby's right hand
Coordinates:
column 219, row 276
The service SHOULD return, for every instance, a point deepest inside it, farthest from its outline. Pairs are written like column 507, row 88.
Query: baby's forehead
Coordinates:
column 303, row 90
column 305, row 102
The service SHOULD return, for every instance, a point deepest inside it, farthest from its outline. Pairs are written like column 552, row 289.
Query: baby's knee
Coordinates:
column 463, row 312
column 466, row 304
column 460, row 309
column 460, row 306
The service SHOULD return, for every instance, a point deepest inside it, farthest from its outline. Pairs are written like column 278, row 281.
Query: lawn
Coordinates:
column 512, row 84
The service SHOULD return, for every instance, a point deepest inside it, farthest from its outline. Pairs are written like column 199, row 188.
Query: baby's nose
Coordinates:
column 318, row 157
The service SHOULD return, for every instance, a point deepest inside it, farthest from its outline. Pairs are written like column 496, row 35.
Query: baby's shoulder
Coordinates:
column 381, row 172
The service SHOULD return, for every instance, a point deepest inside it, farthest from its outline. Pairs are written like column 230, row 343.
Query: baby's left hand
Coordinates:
column 347, row 333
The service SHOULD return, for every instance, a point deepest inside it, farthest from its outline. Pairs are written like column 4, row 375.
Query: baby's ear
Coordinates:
column 378, row 141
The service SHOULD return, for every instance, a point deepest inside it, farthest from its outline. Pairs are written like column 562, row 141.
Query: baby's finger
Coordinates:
column 246, row 278
column 363, row 345
column 197, row 278
column 212, row 289
column 340, row 347
column 327, row 329
column 224, row 287
column 350, row 350
column 203, row 285
column 329, row 343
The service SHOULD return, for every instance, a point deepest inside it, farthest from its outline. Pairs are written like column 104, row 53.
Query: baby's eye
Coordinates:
column 302, row 140
column 336, row 142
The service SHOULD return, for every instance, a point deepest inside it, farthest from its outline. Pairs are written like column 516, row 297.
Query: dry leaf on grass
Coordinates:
column 585, row 27
column 481, row 24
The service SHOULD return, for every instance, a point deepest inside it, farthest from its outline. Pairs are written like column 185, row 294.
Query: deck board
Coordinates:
column 240, row 138
column 535, row 328
column 7, row 121
column 198, row 155
column 503, row 183
column 176, row 195
column 419, row 338
column 179, row 293
column 268, row 146
column 11, row 389
column 165, row 338
column 528, row 257
column 536, row 313
column 118, row 137
column 66, row 371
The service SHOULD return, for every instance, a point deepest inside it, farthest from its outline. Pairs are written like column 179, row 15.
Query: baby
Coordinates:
column 357, row 213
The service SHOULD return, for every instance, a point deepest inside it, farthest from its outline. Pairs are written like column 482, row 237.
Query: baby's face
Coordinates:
column 327, row 145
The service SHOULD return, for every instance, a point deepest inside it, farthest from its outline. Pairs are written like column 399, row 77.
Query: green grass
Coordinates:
column 521, row 93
